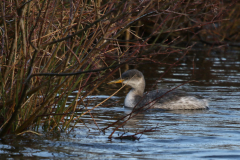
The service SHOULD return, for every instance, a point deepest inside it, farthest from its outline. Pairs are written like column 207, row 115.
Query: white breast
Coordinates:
column 129, row 100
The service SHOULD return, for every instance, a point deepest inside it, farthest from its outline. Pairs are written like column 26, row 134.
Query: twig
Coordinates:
column 29, row 131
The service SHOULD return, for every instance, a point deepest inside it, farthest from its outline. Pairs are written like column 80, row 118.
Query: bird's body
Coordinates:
column 161, row 98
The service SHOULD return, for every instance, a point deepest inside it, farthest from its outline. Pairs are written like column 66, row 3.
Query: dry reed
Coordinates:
column 51, row 48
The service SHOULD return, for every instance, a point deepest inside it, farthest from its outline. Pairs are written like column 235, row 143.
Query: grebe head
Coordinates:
column 133, row 78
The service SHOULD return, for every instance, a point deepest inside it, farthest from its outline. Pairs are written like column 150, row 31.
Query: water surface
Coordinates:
column 204, row 134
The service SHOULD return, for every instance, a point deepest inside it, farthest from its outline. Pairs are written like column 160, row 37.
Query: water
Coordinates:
column 205, row 134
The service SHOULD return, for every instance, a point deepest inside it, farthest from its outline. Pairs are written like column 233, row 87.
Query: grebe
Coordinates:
column 173, row 100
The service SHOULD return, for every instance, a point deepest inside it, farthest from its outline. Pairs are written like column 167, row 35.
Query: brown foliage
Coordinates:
column 41, row 39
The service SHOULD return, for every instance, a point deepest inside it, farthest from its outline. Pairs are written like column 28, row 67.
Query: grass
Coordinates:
column 51, row 48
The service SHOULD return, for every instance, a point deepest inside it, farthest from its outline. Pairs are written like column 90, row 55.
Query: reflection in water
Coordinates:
column 199, row 134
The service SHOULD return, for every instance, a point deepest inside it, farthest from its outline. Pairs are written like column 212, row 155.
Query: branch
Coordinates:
column 86, row 28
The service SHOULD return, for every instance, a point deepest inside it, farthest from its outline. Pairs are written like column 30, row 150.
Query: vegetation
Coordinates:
column 50, row 48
